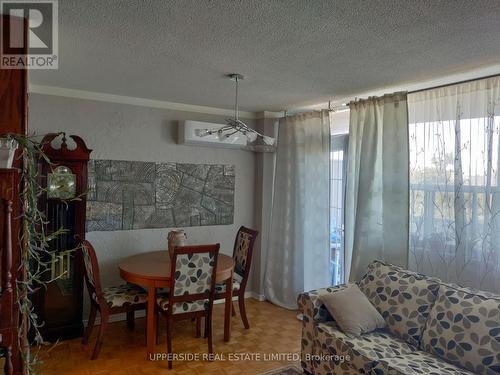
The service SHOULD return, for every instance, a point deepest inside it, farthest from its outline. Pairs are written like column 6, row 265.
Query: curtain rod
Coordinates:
column 346, row 105
column 449, row 84
column 454, row 83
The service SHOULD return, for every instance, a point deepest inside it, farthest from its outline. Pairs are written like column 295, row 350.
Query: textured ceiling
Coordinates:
column 294, row 52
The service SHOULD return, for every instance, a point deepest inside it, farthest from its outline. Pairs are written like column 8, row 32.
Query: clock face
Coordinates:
column 61, row 183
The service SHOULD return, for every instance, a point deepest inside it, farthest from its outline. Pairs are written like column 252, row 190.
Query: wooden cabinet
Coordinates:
column 13, row 119
column 9, row 256
column 13, row 89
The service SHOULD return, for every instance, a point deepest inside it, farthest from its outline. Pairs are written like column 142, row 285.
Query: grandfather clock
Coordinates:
column 64, row 203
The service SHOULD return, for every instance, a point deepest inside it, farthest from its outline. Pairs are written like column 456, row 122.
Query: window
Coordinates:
column 338, row 156
column 455, row 183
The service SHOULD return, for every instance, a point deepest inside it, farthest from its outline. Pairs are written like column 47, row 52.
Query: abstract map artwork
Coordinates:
column 135, row 195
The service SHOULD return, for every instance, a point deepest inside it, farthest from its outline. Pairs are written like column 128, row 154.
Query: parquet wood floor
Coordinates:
column 272, row 330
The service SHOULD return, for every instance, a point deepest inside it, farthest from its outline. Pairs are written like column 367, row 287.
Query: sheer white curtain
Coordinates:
column 455, row 183
column 376, row 207
column 298, row 252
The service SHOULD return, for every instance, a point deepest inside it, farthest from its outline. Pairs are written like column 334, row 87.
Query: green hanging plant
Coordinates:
column 35, row 246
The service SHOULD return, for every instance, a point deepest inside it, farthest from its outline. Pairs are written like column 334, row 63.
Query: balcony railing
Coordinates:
column 433, row 217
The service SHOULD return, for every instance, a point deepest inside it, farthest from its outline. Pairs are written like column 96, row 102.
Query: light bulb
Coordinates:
column 268, row 140
column 222, row 136
column 201, row 132
column 251, row 136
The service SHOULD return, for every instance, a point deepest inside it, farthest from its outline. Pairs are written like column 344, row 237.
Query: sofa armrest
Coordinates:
column 313, row 311
column 311, row 306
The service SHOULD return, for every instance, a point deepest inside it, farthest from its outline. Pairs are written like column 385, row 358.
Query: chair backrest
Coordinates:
column 243, row 250
column 92, row 275
column 193, row 277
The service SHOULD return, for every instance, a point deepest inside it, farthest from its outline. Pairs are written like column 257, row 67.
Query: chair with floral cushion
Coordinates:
column 125, row 298
column 242, row 255
column 192, row 289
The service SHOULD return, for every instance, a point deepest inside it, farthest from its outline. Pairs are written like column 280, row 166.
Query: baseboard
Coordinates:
column 141, row 314
column 256, row 296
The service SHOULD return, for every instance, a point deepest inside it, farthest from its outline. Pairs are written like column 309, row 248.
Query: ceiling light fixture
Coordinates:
column 236, row 125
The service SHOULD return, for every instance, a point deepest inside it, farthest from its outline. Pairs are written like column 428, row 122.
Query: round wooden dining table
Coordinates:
column 151, row 270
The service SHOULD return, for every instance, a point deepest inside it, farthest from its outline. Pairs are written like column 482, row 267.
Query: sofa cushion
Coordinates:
column 464, row 329
column 352, row 311
column 362, row 351
column 419, row 362
column 404, row 298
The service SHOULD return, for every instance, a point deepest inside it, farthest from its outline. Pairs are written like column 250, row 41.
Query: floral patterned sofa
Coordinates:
column 433, row 328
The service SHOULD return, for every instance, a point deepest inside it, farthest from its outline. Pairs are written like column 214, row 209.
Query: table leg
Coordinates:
column 229, row 305
column 150, row 323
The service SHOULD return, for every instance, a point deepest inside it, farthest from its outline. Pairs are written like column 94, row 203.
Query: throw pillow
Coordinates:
column 352, row 311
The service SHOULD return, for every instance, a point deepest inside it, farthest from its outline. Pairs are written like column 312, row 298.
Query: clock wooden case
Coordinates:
column 60, row 305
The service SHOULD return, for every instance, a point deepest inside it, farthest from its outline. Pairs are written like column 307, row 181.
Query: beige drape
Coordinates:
column 298, row 253
column 376, row 207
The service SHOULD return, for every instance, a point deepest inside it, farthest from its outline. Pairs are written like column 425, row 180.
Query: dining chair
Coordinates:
column 192, row 289
column 126, row 298
column 242, row 255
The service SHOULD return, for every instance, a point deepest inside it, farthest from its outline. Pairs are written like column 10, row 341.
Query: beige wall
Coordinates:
column 127, row 132
column 264, row 178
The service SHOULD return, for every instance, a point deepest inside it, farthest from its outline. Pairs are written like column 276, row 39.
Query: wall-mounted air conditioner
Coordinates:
column 194, row 133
